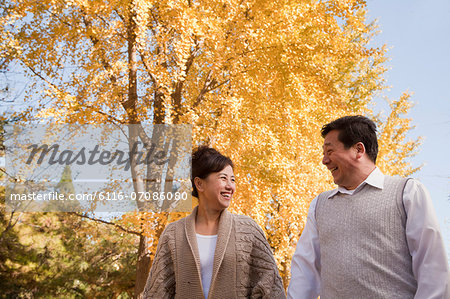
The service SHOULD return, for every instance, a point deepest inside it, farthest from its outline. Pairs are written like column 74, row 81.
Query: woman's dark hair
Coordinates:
column 354, row 129
column 206, row 160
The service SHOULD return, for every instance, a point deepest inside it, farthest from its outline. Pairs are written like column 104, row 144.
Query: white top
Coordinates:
column 206, row 248
column 425, row 242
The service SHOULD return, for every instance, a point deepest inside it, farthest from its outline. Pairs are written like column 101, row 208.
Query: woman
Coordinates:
column 212, row 253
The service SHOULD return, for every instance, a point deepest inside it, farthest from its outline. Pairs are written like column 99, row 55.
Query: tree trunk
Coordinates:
column 142, row 267
column 143, row 258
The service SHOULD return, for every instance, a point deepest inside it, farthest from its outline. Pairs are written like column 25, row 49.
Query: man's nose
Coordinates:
column 325, row 160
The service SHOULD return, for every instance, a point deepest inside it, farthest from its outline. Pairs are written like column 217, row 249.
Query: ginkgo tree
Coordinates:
column 257, row 79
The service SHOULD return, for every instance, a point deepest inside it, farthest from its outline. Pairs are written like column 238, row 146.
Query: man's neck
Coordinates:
column 363, row 174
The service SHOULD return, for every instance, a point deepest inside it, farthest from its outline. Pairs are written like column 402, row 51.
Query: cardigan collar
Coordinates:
column 223, row 236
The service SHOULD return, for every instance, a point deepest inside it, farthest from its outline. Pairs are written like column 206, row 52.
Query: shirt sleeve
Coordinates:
column 425, row 242
column 305, row 267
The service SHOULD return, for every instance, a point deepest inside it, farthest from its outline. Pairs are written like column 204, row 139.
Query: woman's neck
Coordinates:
column 207, row 221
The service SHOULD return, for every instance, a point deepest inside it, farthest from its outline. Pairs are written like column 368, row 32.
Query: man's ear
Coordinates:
column 199, row 184
column 360, row 149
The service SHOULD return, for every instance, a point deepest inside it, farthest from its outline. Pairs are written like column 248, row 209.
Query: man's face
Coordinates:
column 340, row 161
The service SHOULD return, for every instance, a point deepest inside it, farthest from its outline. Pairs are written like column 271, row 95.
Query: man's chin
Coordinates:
column 336, row 181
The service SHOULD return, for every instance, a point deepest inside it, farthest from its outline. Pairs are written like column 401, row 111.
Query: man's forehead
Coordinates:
column 331, row 138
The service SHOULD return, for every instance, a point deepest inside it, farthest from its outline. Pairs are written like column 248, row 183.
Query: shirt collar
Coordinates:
column 375, row 179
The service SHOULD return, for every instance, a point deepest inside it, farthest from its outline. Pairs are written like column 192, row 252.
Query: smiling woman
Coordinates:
column 213, row 183
column 213, row 253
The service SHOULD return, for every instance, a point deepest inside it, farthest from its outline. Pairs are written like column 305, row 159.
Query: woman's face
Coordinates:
column 217, row 189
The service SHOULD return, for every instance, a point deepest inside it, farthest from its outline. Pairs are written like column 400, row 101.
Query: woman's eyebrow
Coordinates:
column 222, row 173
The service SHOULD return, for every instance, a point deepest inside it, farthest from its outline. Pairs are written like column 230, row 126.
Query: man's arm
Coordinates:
column 305, row 267
column 426, row 246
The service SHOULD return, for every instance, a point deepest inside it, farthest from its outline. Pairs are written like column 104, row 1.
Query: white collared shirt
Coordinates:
column 425, row 242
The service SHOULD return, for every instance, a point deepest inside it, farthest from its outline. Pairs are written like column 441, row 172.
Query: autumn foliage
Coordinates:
column 257, row 79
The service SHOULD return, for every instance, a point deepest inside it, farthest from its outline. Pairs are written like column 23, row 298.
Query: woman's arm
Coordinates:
column 161, row 280
column 264, row 269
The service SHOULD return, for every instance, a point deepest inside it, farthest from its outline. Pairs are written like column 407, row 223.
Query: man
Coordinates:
column 375, row 236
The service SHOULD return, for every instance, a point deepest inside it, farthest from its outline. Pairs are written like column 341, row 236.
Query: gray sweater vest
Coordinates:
column 363, row 247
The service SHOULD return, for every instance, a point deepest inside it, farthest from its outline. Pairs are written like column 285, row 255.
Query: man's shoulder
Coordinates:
column 326, row 194
column 408, row 180
column 399, row 182
column 396, row 178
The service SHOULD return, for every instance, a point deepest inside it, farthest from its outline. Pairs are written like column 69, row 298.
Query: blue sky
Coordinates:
column 417, row 34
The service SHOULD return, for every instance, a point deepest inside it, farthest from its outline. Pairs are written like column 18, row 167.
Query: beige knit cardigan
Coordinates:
column 243, row 265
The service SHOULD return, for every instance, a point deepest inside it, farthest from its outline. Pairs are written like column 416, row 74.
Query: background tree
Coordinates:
column 56, row 255
column 63, row 255
column 257, row 79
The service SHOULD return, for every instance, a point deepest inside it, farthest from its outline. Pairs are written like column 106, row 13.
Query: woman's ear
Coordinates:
column 199, row 184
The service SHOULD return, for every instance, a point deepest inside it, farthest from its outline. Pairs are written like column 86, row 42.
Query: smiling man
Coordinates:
column 375, row 236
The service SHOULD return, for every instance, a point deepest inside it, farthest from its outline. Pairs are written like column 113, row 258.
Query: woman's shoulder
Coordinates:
column 172, row 226
column 242, row 218
column 245, row 223
column 250, row 235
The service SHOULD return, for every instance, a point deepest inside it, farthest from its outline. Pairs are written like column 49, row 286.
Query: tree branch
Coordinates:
column 107, row 222
column 42, row 78
column 209, row 85
column 110, row 117
column 144, row 62
column 95, row 41
column 178, row 86
column 10, row 224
